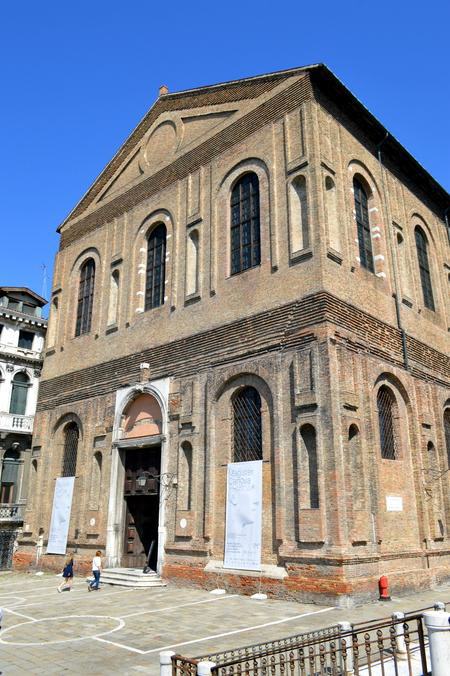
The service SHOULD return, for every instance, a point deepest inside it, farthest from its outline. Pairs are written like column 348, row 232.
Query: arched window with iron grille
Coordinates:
column 424, row 268
column 387, row 414
column 85, row 297
column 247, row 425
column 245, row 225
column 156, row 267
column 363, row 225
column 70, row 451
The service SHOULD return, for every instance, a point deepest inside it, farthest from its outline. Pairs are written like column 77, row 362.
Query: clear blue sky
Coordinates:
column 78, row 76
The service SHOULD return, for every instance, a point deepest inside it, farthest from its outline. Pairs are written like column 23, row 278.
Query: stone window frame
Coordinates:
column 224, row 415
column 419, row 223
column 358, row 170
column 137, row 286
column 239, row 187
column 222, row 218
column 221, row 454
column 402, row 416
column 57, row 441
column 72, row 300
column 86, row 295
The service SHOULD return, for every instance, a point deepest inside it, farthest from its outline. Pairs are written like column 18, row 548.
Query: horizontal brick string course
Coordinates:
column 265, row 331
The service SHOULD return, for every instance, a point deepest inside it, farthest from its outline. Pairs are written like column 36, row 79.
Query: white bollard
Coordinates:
column 345, row 628
column 400, row 645
column 165, row 663
column 438, row 627
column 204, row 668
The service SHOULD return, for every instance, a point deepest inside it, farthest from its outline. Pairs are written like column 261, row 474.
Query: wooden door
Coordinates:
column 141, row 493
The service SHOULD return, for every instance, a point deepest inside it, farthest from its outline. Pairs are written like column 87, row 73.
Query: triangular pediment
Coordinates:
column 175, row 125
column 172, row 134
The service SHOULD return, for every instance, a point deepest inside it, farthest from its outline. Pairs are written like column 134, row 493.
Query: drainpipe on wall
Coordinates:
column 391, row 247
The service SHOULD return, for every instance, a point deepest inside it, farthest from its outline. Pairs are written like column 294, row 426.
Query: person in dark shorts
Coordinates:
column 67, row 575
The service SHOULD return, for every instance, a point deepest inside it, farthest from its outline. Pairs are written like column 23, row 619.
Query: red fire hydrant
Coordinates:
column 383, row 587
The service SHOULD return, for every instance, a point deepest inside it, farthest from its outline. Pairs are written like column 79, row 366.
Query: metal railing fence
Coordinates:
column 395, row 645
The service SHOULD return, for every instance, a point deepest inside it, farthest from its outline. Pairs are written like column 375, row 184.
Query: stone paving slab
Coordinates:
column 121, row 631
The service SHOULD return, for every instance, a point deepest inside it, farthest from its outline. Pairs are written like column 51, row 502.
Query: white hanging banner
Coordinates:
column 59, row 525
column 244, row 514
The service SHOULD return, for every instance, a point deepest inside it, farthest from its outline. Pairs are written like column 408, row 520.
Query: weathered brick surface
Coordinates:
column 312, row 330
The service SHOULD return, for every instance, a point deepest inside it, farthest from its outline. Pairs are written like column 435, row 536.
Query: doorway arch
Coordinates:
column 136, row 501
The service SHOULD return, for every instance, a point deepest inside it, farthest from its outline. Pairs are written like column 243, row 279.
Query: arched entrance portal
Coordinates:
column 140, row 449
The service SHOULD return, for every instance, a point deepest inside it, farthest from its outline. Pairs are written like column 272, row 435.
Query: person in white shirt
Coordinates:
column 96, row 570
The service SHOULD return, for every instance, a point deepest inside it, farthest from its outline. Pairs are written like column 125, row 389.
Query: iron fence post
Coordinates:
column 400, row 646
column 165, row 662
column 346, row 628
column 438, row 627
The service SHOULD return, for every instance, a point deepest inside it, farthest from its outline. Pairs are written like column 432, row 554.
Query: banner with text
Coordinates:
column 243, row 517
column 59, row 525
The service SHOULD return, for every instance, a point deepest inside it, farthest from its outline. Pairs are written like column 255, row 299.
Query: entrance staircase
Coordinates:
column 131, row 577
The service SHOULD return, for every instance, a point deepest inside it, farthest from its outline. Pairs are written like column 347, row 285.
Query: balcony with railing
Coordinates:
column 16, row 351
column 11, row 512
column 13, row 422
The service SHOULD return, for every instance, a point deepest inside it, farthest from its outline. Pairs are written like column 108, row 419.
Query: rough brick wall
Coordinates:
column 311, row 329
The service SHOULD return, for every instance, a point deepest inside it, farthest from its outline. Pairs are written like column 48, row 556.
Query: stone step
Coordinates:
column 131, row 577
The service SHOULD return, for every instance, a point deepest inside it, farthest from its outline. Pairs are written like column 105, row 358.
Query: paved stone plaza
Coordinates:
column 122, row 631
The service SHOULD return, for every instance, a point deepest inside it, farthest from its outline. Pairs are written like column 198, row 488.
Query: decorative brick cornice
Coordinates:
column 285, row 327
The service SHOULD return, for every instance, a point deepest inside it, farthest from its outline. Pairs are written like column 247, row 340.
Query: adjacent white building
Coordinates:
column 22, row 336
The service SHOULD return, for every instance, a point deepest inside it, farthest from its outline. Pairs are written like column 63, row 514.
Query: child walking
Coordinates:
column 96, row 570
column 67, row 575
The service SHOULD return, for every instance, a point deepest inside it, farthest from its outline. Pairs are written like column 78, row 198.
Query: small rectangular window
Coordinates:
column 26, row 340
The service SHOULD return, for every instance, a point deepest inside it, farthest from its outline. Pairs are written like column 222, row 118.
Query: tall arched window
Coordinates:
column 447, row 434
column 424, row 268
column 387, row 414
column 85, row 297
column 363, row 225
column 69, row 460
column 247, row 426
column 298, row 214
column 113, row 297
column 245, row 226
column 192, row 263
column 156, row 268
column 19, row 393
column 308, row 438
column 10, row 475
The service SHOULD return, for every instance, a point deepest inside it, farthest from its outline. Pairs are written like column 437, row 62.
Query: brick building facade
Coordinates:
column 263, row 253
